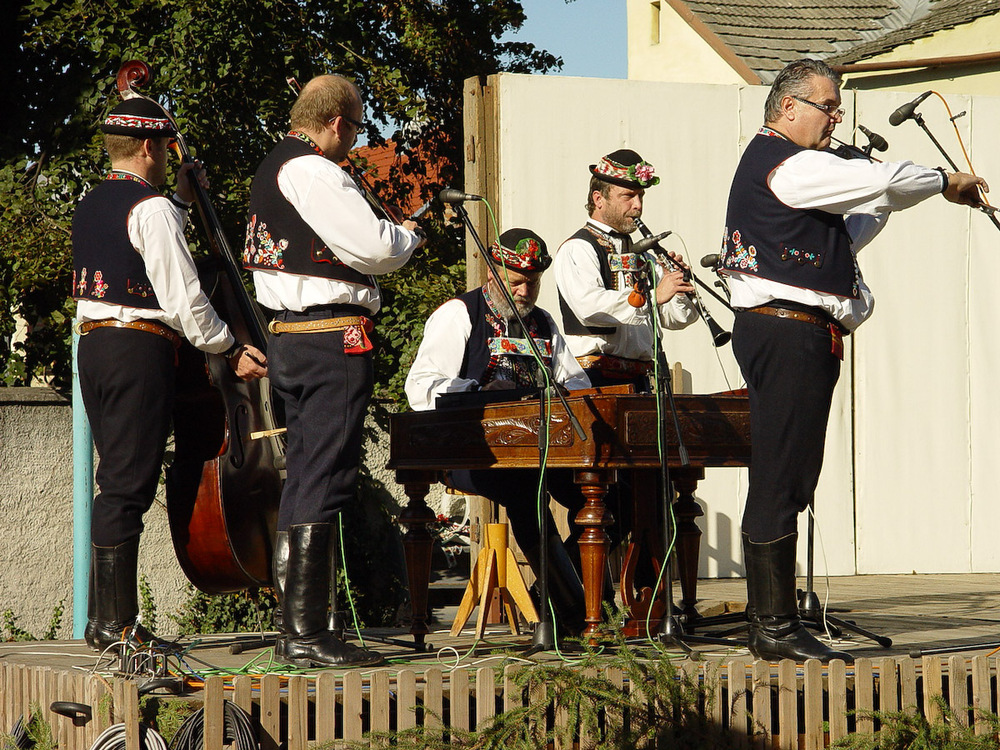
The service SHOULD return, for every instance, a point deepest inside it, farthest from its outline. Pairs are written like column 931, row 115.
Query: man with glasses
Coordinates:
column 315, row 247
column 797, row 216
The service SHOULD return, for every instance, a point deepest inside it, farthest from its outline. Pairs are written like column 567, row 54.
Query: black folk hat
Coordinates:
column 625, row 168
column 139, row 118
column 521, row 250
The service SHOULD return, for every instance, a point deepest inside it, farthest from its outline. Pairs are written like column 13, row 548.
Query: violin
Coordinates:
column 223, row 488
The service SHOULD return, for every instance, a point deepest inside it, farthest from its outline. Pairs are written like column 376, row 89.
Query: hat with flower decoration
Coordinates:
column 625, row 168
column 521, row 250
column 139, row 118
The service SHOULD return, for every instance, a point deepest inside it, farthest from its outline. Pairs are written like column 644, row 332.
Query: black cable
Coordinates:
column 19, row 738
column 238, row 730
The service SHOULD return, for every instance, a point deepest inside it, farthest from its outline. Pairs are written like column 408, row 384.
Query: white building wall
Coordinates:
column 914, row 412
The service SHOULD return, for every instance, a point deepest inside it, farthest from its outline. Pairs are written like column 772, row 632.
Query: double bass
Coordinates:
column 223, row 488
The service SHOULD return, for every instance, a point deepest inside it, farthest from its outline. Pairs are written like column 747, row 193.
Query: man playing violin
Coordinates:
column 137, row 295
column 315, row 247
column 475, row 343
column 797, row 216
column 595, row 273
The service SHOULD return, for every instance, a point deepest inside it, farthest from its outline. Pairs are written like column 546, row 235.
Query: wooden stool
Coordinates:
column 495, row 571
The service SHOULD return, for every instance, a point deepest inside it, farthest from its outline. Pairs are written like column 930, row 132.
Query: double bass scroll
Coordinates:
column 223, row 489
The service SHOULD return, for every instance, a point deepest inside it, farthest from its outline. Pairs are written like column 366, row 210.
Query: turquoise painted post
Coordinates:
column 83, row 496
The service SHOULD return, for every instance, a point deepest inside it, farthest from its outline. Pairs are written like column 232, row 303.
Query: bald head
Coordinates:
column 322, row 99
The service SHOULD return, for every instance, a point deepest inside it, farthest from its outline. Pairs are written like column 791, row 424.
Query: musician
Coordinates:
column 797, row 216
column 595, row 272
column 315, row 246
column 475, row 343
column 138, row 295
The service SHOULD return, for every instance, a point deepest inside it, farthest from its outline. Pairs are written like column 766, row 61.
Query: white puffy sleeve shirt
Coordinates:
column 577, row 272
column 439, row 359
column 330, row 202
column 156, row 230
column 865, row 192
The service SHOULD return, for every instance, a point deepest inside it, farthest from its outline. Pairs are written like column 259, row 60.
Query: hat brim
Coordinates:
column 136, row 132
column 618, row 180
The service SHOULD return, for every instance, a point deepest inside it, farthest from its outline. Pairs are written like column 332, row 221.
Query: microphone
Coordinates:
column 649, row 242
column 906, row 111
column 711, row 261
column 876, row 141
column 450, row 195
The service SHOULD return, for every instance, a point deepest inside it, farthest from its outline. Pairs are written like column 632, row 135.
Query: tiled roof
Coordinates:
column 944, row 14
column 768, row 34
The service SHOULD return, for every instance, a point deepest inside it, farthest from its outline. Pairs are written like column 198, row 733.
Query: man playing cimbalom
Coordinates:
column 137, row 294
column 315, row 246
column 595, row 272
column 797, row 216
column 475, row 343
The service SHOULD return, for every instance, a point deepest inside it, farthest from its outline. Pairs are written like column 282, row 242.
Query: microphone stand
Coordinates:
column 544, row 635
column 671, row 630
column 918, row 118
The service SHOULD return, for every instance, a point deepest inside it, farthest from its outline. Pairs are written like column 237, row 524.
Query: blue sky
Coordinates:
column 589, row 35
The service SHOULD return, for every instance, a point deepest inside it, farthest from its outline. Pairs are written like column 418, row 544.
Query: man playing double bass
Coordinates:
column 315, row 245
column 797, row 215
column 137, row 294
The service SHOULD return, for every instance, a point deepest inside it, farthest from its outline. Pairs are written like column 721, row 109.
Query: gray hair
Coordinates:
column 795, row 79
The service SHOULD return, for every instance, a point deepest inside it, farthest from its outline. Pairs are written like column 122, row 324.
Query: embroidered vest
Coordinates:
column 807, row 248
column 604, row 248
column 491, row 354
column 106, row 266
column 278, row 239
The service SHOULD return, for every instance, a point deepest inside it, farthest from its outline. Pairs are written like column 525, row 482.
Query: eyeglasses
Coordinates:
column 830, row 110
column 358, row 125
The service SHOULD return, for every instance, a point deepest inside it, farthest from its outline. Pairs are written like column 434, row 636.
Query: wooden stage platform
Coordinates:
column 466, row 683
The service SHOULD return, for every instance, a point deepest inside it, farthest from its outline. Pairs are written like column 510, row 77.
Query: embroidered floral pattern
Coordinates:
column 642, row 173
column 261, row 250
column 626, row 262
column 510, row 358
column 80, row 284
column 738, row 257
column 113, row 176
column 136, row 288
column 100, row 288
column 801, row 256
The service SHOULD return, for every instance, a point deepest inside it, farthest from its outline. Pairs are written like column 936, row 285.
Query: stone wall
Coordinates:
column 36, row 505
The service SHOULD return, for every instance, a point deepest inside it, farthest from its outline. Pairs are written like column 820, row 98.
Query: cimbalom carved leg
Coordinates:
column 687, row 511
column 594, row 517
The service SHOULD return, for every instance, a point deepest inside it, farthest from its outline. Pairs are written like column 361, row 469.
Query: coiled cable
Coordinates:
column 238, row 729
column 113, row 738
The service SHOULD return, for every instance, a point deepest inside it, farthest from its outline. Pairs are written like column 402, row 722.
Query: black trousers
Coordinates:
column 790, row 373
column 326, row 395
column 127, row 384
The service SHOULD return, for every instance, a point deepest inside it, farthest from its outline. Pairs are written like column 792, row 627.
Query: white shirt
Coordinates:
column 442, row 351
column 866, row 192
column 578, row 277
column 330, row 202
column 156, row 231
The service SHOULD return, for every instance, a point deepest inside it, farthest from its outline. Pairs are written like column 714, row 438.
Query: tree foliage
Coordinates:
column 221, row 68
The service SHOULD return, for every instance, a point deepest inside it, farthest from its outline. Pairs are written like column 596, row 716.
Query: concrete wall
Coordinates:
column 907, row 480
column 36, row 505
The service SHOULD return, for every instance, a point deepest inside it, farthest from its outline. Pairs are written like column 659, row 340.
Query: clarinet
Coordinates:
column 720, row 337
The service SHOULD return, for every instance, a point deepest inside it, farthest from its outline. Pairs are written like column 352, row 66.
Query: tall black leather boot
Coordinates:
column 776, row 632
column 565, row 587
column 308, row 641
column 279, row 571
column 114, row 601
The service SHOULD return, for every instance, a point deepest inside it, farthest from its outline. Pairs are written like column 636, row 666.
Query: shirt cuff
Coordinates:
column 176, row 200
column 944, row 178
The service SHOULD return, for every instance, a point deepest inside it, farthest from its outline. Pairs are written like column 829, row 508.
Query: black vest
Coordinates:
column 106, row 266
column 278, row 239
column 572, row 325
column 479, row 363
column 807, row 248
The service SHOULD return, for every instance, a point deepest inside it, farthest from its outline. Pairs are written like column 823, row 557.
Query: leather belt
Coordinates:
column 323, row 325
column 149, row 326
column 806, row 317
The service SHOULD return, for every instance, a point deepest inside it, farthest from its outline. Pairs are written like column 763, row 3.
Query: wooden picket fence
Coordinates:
column 782, row 706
